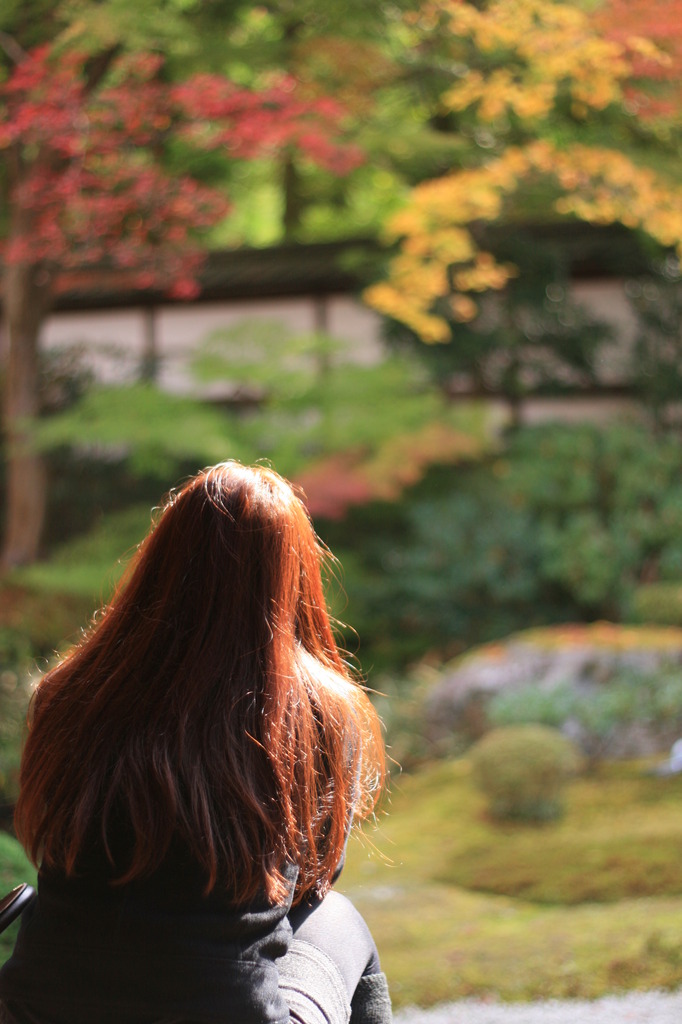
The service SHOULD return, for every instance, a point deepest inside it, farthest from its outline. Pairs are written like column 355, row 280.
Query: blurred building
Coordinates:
column 125, row 333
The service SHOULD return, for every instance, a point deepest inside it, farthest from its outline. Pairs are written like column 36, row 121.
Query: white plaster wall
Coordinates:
column 607, row 301
column 358, row 326
column 181, row 328
column 115, row 341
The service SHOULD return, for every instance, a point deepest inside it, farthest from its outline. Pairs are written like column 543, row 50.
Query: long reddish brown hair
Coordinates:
column 209, row 701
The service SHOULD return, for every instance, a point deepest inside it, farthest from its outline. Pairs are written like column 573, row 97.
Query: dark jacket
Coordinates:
column 153, row 950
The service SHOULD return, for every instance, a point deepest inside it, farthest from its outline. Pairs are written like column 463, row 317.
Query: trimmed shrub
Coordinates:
column 522, row 770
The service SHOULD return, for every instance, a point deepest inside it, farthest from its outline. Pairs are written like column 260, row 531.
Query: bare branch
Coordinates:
column 97, row 67
column 16, row 53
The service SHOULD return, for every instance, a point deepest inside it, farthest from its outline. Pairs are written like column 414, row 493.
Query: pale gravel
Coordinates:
column 630, row 1008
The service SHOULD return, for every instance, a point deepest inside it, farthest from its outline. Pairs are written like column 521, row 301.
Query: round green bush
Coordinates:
column 522, row 770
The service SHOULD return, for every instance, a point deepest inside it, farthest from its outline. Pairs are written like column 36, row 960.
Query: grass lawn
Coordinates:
column 462, row 906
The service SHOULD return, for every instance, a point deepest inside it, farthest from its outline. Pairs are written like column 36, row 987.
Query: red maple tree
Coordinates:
column 656, row 90
column 85, row 141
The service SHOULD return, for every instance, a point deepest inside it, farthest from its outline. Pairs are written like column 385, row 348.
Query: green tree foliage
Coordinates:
column 100, row 133
column 608, row 507
column 453, row 565
column 656, row 359
column 349, row 433
column 565, row 524
column 166, row 430
column 365, row 55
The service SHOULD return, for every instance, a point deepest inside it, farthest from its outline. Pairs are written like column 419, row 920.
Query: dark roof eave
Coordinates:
column 285, row 271
column 341, row 268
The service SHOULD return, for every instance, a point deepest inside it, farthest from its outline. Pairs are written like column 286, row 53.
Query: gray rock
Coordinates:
column 457, row 704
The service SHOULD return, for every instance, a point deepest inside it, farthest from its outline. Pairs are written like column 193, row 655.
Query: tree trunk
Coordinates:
column 26, row 301
column 149, row 364
column 293, row 200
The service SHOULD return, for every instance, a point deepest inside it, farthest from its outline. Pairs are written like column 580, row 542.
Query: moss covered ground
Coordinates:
column 463, row 906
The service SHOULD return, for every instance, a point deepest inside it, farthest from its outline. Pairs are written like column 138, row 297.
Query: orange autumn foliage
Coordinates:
column 525, row 62
column 339, row 481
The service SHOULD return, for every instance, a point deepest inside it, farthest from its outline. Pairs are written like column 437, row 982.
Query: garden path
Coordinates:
column 629, row 1008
